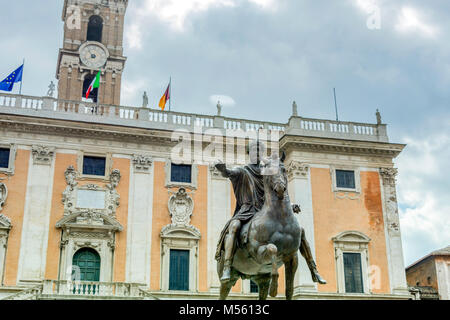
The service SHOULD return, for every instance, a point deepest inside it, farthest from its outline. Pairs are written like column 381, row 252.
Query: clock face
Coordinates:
column 93, row 56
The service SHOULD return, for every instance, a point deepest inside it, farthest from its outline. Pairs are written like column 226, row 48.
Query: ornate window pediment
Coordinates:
column 351, row 237
column 89, row 219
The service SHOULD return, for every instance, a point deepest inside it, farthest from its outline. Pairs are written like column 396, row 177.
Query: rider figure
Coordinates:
column 248, row 188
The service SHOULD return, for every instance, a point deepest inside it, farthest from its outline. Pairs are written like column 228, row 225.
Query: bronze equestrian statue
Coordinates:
column 263, row 233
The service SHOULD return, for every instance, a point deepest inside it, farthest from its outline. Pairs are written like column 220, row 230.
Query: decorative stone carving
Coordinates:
column 5, row 222
column 181, row 207
column 68, row 197
column 42, row 154
column 142, row 163
column 113, row 197
column 388, row 176
column 3, row 195
column 347, row 195
column 297, row 169
column 72, row 193
column 5, row 226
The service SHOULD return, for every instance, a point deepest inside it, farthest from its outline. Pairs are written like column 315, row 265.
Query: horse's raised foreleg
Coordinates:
column 268, row 254
column 290, row 267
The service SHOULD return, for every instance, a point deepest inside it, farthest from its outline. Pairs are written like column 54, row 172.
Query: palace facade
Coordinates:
column 93, row 205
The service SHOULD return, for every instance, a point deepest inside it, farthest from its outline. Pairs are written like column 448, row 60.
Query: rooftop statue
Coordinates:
column 145, row 100
column 51, row 89
column 219, row 108
column 378, row 115
column 294, row 109
column 264, row 232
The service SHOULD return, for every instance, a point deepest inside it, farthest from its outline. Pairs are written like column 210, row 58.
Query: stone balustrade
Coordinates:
column 91, row 289
column 48, row 107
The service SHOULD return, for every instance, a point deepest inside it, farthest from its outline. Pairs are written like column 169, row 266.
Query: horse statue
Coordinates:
column 274, row 237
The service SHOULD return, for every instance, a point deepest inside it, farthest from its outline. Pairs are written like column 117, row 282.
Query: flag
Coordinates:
column 164, row 98
column 95, row 84
column 8, row 83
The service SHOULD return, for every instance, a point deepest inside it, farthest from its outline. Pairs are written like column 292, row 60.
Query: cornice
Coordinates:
column 161, row 137
column 77, row 129
column 328, row 145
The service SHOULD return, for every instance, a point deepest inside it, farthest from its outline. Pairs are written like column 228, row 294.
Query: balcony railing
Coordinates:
column 93, row 289
column 48, row 107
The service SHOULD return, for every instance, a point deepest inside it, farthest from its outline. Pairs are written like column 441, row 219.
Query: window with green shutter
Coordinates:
column 179, row 270
column 353, row 273
column 88, row 262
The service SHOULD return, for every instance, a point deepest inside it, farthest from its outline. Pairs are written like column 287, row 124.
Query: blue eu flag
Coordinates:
column 8, row 83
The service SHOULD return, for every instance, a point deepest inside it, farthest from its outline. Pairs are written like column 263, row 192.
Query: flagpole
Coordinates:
column 23, row 67
column 170, row 92
column 335, row 104
column 98, row 92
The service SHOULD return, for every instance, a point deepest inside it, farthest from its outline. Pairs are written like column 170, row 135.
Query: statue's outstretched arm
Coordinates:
column 227, row 173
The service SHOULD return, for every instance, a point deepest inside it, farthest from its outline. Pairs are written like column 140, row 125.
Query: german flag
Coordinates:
column 165, row 98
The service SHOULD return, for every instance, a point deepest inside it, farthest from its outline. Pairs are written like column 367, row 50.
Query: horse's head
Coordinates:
column 274, row 174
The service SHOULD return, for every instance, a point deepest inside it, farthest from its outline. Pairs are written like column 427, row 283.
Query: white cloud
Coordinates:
column 134, row 36
column 132, row 89
column 175, row 12
column 410, row 20
column 265, row 4
column 225, row 101
column 423, row 195
column 368, row 6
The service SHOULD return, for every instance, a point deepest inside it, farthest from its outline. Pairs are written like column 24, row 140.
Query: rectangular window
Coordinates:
column 353, row 273
column 179, row 270
column 345, row 179
column 94, row 166
column 180, row 173
column 253, row 287
column 4, row 158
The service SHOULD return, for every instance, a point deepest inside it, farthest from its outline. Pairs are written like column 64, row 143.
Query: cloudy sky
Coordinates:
column 260, row 55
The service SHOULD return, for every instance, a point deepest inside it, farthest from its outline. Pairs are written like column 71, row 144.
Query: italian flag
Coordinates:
column 95, row 84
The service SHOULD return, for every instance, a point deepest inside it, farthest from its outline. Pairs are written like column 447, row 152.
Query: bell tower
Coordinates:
column 93, row 41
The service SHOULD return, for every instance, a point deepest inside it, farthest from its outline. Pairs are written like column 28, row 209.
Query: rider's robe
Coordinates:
column 248, row 189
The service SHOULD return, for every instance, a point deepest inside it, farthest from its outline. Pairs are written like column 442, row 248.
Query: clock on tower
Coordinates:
column 93, row 41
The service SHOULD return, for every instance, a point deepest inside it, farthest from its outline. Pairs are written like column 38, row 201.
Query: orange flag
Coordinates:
column 165, row 98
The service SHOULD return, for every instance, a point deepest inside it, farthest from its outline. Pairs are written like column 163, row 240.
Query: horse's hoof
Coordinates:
column 319, row 279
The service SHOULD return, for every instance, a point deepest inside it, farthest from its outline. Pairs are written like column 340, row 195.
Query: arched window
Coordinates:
column 95, row 29
column 88, row 262
column 87, row 82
